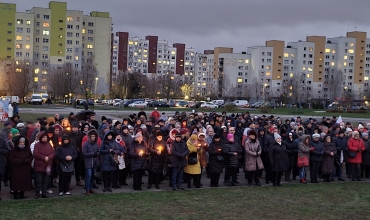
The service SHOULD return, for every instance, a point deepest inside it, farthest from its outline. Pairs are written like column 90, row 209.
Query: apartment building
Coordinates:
column 54, row 36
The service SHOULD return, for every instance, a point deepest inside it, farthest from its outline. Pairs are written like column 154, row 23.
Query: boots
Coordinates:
column 105, row 186
column 78, row 183
column 229, row 182
column 16, row 195
column 287, row 176
column 92, row 191
column 303, row 181
column 87, row 192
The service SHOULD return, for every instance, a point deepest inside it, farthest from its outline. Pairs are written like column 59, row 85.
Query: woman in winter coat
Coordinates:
column 278, row 156
column 66, row 154
column 203, row 153
column 317, row 150
column 4, row 151
column 44, row 155
column 193, row 171
column 158, row 152
column 304, row 151
column 330, row 151
column 365, row 154
column 108, row 163
column 179, row 151
column 292, row 158
column 253, row 162
column 366, row 159
column 356, row 145
column 20, row 159
column 138, row 153
column 216, row 159
column 232, row 150
column 90, row 154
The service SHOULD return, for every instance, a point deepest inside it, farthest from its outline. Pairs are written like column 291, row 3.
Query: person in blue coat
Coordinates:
column 90, row 155
column 108, row 163
column 138, row 153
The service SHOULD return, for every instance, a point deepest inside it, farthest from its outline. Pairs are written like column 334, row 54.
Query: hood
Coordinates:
column 299, row 127
column 109, row 132
column 303, row 137
column 17, row 141
column 42, row 134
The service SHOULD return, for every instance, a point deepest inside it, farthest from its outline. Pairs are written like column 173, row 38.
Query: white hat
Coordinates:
column 348, row 129
column 360, row 126
column 290, row 134
column 20, row 125
column 315, row 136
column 276, row 136
column 155, row 108
column 143, row 126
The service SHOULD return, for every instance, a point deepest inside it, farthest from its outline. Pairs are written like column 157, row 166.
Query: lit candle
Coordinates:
column 160, row 148
column 219, row 149
column 205, row 144
column 141, row 152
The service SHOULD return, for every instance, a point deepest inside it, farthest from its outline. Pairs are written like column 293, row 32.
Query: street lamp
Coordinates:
column 96, row 85
column 70, row 97
column 264, row 93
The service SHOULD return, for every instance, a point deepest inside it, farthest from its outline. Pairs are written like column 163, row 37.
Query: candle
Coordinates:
column 219, row 149
column 160, row 148
column 199, row 145
column 205, row 144
column 141, row 152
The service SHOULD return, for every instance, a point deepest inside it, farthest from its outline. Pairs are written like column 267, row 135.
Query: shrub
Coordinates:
column 265, row 109
column 230, row 108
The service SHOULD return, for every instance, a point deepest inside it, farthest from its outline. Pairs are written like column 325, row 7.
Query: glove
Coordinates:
column 312, row 148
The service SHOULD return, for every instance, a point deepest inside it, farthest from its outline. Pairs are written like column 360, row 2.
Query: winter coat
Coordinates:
column 137, row 162
column 193, row 168
column 179, row 151
column 215, row 151
column 127, row 138
column 327, row 165
column 366, row 154
column 203, row 156
column 106, row 155
column 303, row 149
column 76, row 139
column 292, row 153
column 356, row 146
column 157, row 161
column 316, row 155
column 341, row 143
column 20, row 167
column 253, row 153
column 40, row 152
column 4, row 152
column 278, row 156
column 231, row 160
column 62, row 152
column 89, row 153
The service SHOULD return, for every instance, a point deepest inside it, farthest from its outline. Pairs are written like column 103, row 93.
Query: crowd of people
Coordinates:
column 179, row 149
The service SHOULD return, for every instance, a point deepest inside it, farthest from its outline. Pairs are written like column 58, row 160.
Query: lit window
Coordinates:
column 28, row 22
column 268, row 73
column 19, row 21
column 28, row 46
column 345, row 57
column 366, row 78
column 351, row 44
column 240, row 80
column 240, row 61
column 18, row 46
column 83, row 30
column 332, row 63
column 89, row 46
column 292, row 55
column 286, row 54
column 246, row 61
column 327, row 50
column 45, row 24
column 309, row 70
column 36, row 79
column 76, row 57
column 291, row 74
column 37, row 71
column 173, row 52
column 60, row 36
column 268, row 67
column 304, row 68
column 18, row 70
column 19, row 37
column 345, row 64
column 351, row 51
column 308, row 75
column 69, row 18
column 44, row 72
column 333, row 51
column 45, row 32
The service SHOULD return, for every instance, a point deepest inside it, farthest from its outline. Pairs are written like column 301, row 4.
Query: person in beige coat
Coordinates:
column 253, row 162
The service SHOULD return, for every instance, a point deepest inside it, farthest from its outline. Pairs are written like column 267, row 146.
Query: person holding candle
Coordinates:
column 193, row 169
column 179, row 152
column 158, row 153
column 216, row 159
column 203, row 154
column 66, row 154
column 138, row 153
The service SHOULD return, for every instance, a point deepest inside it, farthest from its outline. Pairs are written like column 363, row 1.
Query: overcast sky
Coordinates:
column 205, row 24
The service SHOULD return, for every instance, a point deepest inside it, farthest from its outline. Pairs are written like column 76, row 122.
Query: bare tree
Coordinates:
column 87, row 79
column 228, row 90
column 187, row 90
column 63, row 80
column 127, row 84
column 297, row 87
column 255, row 90
column 149, row 86
column 334, row 83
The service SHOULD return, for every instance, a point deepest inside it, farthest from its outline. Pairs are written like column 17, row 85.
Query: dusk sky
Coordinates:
column 205, row 24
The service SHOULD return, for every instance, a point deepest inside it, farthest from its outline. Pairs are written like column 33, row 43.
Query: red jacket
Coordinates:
column 155, row 114
column 41, row 151
column 356, row 146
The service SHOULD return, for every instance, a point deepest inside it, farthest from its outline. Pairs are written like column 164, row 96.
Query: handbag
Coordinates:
column 352, row 154
column 113, row 160
column 220, row 158
column 67, row 167
column 146, row 165
column 48, row 170
column 192, row 159
column 302, row 162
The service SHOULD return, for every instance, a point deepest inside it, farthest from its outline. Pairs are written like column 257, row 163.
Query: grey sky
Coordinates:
column 205, row 24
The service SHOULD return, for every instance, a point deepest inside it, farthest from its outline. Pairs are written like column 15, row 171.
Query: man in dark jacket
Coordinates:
column 4, row 151
column 341, row 143
column 269, row 141
column 76, row 140
column 179, row 151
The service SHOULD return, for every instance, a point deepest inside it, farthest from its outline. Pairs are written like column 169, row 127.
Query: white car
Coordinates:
column 208, row 105
column 137, row 104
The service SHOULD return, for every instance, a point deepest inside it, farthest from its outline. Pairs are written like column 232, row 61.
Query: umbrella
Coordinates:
column 84, row 114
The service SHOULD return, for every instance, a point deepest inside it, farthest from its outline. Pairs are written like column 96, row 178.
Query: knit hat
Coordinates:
column 217, row 136
column 109, row 121
column 103, row 118
column 14, row 131
column 75, row 125
column 364, row 134
column 315, row 136
column 20, row 125
column 230, row 138
column 252, row 132
column 360, row 126
column 276, row 136
column 348, row 129
column 143, row 126
column 138, row 135
column 117, row 123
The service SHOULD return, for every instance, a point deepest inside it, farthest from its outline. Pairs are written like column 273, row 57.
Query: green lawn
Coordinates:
column 313, row 201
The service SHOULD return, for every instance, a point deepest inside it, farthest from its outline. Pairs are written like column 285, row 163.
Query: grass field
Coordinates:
column 319, row 201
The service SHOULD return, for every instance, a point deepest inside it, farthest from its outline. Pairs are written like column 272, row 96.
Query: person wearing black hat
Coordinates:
column 76, row 140
column 216, row 159
column 66, row 154
column 178, row 151
column 253, row 162
column 141, row 112
column 341, row 143
column 158, row 152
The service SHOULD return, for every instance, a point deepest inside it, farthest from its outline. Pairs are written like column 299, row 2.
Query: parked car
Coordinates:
column 132, row 101
column 191, row 104
column 89, row 102
column 181, row 104
column 138, row 104
column 256, row 104
column 122, row 102
column 208, row 105
column 240, row 103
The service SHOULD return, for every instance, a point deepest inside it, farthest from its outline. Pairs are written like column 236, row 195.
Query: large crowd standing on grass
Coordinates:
column 49, row 151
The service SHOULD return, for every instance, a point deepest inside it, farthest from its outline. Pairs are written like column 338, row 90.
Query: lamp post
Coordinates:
column 96, row 85
column 264, row 92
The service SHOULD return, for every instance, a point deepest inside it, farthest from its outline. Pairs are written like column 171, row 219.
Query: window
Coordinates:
column 332, row 63
column 60, row 36
column 327, row 50
column 27, row 46
column 268, row 60
column 36, row 79
column 69, row 26
column 8, row 40
column 46, row 16
column 89, row 53
column 27, row 38
column 9, row 32
column 10, row 24
column 90, row 31
column 246, row 61
column 90, row 46
column 77, row 34
column 268, row 73
column 45, row 56
column 77, row 42
column 90, row 24
column 60, row 21
column 19, row 30
column 90, row 39
column 19, row 21
column 69, row 34
column 78, row 27
column 366, row 78
column 19, row 37
column 60, row 60
column 351, row 51
column 28, row 22
column 27, row 54
column 45, row 48
column 45, row 33
column 69, row 42
column 269, row 53
column 61, row 29
column 45, row 24
column 68, row 57
column 18, row 46
column 45, row 40
column 18, row 54
column 240, row 80
column 345, row 64
column 69, row 50
column 83, row 30
column 69, row 18
column 76, row 57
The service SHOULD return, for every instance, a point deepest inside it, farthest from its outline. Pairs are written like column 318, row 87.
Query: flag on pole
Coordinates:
column 339, row 120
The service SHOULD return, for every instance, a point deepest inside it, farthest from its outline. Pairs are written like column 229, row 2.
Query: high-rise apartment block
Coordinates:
column 54, row 36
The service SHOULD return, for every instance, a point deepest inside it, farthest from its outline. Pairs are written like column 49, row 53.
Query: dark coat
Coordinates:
column 292, row 152
column 106, row 154
column 20, row 167
column 231, row 160
column 327, row 165
column 179, row 151
column 278, row 156
column 215, row 151
column 316, row 155
column 137, row 162
column 366, row 154
column 64, row 151
column 253, row 152
column 76, row 139
column 90, row 153
column 127, row 139
column 157, row 161
column 4, row 152
column 40, row 152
